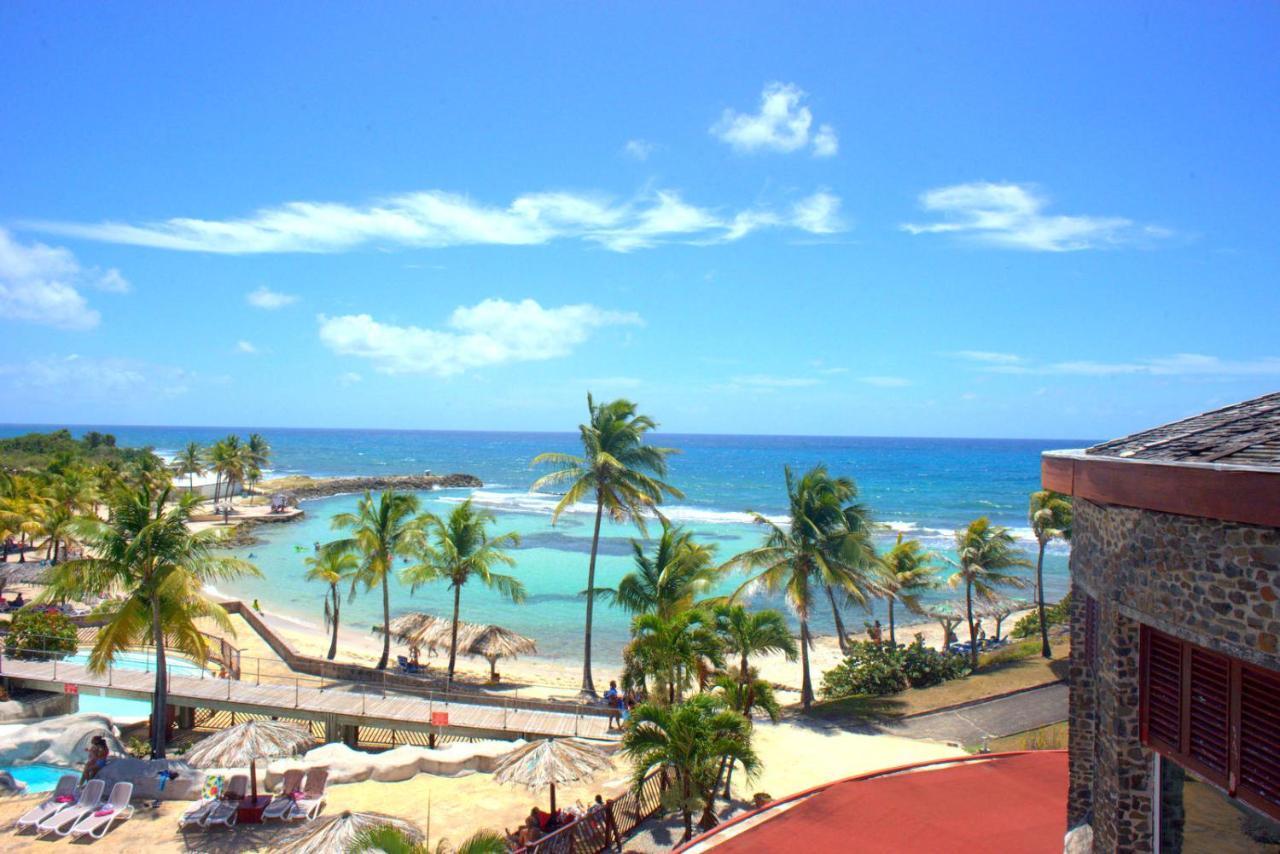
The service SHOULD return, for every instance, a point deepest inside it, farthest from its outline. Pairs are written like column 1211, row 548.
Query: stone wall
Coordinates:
column 1210, row 582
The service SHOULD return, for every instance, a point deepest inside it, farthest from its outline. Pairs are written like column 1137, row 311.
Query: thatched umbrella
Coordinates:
column 494, row 642
column 246, row 743
column 999, row 607
column 551, row 761
column 336, row 834
column 417, row 630
column 949, row 615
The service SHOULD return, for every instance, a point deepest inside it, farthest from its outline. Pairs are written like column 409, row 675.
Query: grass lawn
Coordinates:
column 1051, row 737
column 1012, row 669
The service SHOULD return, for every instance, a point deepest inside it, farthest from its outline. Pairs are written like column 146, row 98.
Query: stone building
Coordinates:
column 1175, row 624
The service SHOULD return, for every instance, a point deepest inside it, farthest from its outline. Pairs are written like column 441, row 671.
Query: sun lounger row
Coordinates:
column 297, row 800
column 65, row 814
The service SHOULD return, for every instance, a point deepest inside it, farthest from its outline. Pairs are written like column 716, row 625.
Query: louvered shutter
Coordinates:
column 1259, row 777
column 1162, row 690
column 1209, row 715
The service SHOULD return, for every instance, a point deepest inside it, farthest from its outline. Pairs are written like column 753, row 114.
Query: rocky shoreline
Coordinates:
column 302, row 486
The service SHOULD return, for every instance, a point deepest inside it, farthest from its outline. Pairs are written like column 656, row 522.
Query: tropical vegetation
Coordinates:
column 909, row 571
column 332, row 567
column 39, row 632
column 984, row 555
column 1050, row 516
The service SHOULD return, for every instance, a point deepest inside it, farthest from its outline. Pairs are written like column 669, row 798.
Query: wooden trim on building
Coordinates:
column 1231, row 493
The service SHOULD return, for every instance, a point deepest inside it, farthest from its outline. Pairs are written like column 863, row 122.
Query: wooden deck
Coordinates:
column 336, row 704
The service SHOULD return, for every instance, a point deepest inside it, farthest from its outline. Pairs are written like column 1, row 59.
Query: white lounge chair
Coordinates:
column 97, row 823
column 227, row 810
column 308, row 806
column 282, row 804
column 62, row 796
column 61, row 821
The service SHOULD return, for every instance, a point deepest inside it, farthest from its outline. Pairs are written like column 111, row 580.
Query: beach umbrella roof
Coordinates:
column 551, row 761
column 942, row 610
column 495, row 642
column 336, row 834
column 244, row 743
column 418, row 629
column 1001, row 605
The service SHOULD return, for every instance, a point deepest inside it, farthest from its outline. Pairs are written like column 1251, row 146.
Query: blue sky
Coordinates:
column 889, row 219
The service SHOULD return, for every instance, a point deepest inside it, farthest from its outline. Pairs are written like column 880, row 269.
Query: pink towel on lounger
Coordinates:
column 102, row 812
column 63, row 799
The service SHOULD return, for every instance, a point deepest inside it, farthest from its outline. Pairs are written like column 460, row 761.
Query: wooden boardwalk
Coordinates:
column 336, row 704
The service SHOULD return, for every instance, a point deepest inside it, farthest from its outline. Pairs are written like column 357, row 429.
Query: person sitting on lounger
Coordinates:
column 99, row 753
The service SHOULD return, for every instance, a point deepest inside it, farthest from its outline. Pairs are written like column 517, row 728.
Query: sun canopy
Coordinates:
column 337, row 834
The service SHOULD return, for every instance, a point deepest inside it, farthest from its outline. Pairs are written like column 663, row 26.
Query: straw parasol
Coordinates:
column 336, row 834
column 246, row 743
column 418, row 630
column 494, row 642
column 550, row 762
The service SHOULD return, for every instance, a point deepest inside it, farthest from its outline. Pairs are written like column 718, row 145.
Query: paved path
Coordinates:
column 991, row 719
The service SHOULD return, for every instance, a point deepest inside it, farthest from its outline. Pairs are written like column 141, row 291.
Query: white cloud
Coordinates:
column 782, row 124
column 267, row 299
column 769, row 381
column 246, row 347
column 41, row 284
column 349, row 378
column 640, row 149
column 491, row 332
column 74, row 377
column 434, row 219
column 987, row 357
column 1011, row 216
column 1178, row 364
column 885, row 382
column 612, row 382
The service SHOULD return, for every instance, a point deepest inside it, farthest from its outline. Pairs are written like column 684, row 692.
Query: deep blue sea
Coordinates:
column 923, row 487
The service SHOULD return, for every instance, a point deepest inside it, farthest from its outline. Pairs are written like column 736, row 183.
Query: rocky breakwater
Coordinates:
column 301, row 486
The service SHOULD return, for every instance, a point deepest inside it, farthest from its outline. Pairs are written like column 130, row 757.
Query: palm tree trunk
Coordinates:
column 160, row 699
column 835, row 612
column 386, row 621
column 333, row 644
column 973, row 629
column 893, row 640
column 688, row 816
column 806, row 684
column 1044, row 626
column 453, row 632
column 588, row 685
column 742, row 670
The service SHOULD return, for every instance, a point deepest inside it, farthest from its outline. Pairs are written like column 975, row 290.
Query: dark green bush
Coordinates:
column 925, row 666
column 1055, row 615
column 35, row 630
column 879, row 669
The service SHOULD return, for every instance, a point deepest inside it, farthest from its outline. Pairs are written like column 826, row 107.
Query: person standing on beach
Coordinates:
column 613, row 700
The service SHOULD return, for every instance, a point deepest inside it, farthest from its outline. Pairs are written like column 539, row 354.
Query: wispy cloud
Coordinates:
column 783, row 123
column 73, row 377
column 987, row 357
column 492, row 332
column 611, row 382
column 42, row 284
column 246, row 347
column 270, row 300
column 1012, row 216
column 349, row 378
column 1175, row 365
column 885, row 382
column 639, row 149
column 769, row 381
column 434, row 219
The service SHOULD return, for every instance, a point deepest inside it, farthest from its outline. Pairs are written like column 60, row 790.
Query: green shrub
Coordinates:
column 35, row 630
column 1055, row 615
column 925, row 666
column 1012, row 652
column 879, row 669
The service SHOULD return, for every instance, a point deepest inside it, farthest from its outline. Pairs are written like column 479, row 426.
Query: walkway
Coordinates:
column 989, row 719
column 335, row 703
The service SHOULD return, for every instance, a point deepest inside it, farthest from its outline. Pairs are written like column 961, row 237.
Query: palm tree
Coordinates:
column 909, row 571
column 824, row 546
column 745, row 633
column 381, row 531
column 257, row 457
column 389, row 839
column 674, row 650
column 461, row 549
column 57, row 525
column 669, row 581
column 983, row 553
column 620, row 472
column 1050, row 515
column 148, row 555
column 189, row 461
column 229, row 458
column 690, row 741
column 333, row 567
column 745, row 693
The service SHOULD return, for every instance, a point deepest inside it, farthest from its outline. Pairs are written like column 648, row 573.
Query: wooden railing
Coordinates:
column 599, row 831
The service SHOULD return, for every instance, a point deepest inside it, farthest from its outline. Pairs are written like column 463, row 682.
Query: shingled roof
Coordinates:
column 1245, row 433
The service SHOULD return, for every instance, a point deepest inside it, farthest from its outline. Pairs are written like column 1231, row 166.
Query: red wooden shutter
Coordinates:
column 1163, row 690
column 1259, row 778
column 1210, row 713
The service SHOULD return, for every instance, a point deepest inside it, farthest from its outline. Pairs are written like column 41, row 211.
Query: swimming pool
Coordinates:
column 39, row 778
column 120, row 707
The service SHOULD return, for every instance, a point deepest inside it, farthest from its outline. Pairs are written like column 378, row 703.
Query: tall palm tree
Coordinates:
column 459, row 550
column 674, row 650
column 823, row 548
column 620, row 473
column 219, row 457
column 669, row 581
column 909, row 571
column 983, row 554
column 690, row 741
column 189, row 461
column 149, row 556
column 257, row 458
column 745, row 693
column 381, row 531
column 746, row 633
column 332, row 567
column 1050, row 515
column 58, row 526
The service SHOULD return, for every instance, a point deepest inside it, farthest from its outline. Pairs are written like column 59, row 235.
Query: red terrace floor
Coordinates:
column 1013, row 802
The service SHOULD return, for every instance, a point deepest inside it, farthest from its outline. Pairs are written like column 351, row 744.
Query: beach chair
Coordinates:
column 117, row 806
column 227, row 810
column 282, row 803
column 62, row 796
column 309, row 805
column 62, row 820
column 214, row 786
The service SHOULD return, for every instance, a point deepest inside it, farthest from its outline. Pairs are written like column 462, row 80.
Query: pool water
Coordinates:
column 118, row 707
column 39, row 778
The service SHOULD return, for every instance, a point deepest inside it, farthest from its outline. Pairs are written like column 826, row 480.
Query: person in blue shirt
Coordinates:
column 612, row 700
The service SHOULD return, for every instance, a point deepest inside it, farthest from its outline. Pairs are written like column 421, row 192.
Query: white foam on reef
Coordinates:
column 542, row 504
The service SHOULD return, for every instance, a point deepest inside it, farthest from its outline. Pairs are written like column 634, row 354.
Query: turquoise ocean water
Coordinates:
column 922, row 487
